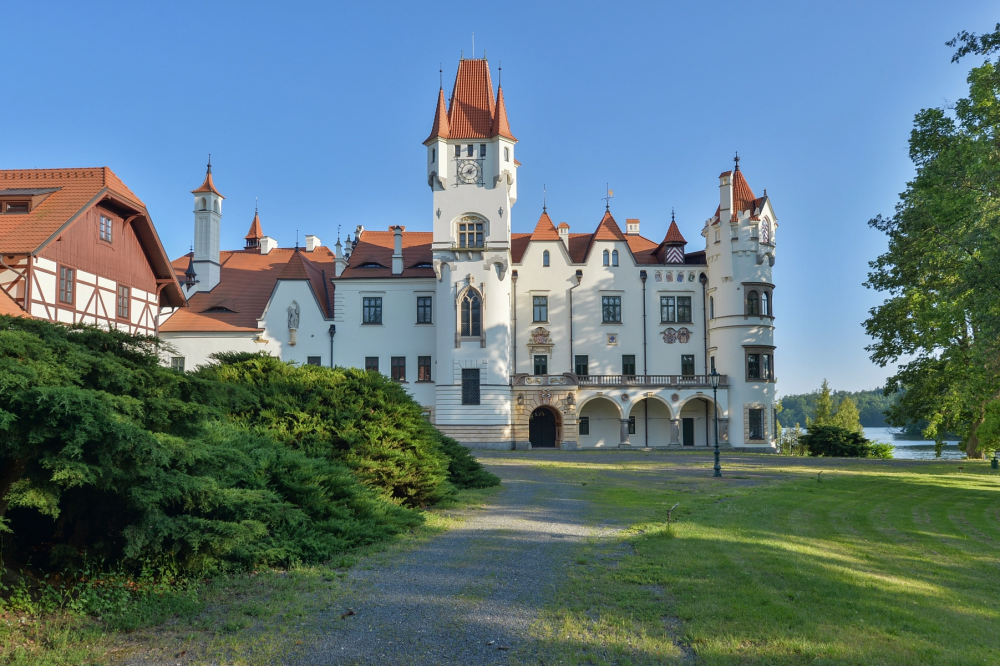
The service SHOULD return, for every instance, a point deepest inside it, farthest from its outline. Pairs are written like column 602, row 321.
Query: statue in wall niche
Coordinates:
column 293, row 316
column 670, row 336
column 683, row 335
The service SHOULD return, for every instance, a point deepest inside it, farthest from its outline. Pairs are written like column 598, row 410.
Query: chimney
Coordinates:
column 563, row 230
column 632, row 227
column 267, row 244
column 339, row 263
column 312, row 242
column 397, row 251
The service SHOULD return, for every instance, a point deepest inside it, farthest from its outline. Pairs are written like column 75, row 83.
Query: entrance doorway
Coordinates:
column 542, row 429
column 688, row 427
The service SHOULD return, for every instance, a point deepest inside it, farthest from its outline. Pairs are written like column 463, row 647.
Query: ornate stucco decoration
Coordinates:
column 682, row 335
column 539, row 341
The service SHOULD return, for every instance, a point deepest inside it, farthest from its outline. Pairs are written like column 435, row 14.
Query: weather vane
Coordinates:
column 607, row 199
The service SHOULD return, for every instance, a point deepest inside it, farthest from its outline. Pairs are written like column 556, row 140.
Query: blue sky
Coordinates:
column 319, row 110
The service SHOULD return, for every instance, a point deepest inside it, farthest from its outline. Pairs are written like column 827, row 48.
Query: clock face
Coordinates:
column 468, row 171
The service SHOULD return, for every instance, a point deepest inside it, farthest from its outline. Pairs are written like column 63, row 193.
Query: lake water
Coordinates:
column 914, row 449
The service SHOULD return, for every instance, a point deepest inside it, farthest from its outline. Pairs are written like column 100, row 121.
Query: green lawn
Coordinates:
column 875, row 564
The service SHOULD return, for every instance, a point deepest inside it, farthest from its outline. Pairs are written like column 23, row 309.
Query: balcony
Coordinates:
column 618, row 381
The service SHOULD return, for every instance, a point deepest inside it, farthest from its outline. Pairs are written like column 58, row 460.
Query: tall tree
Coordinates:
column 942, row 269
column 847, row 416
column 824, row 407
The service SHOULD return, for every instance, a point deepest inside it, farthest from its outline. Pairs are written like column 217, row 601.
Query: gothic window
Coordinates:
column 470, row 386
column 371, row 363
column 424, row 310
column 628, row 364
column 668, row 310
column 472, row 306
column 684, row 309
column 756, row 423
column 470, row 232
column 582, row 365
column 123, row 299
column 687, row 365
column 540, row 308
column 765, row 304
column 397, row 368
column 607, row 256
column 614, row 257
column 371, row 310
column 66, row 285
column 711, row 307
column 545, row 258
column 765, row 232
column 541, row 364
column 423, row 368
column 611, row 309
column 753, row 303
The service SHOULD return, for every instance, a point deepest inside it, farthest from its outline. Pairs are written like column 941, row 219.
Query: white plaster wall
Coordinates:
column 605, row 424
column 197, row 347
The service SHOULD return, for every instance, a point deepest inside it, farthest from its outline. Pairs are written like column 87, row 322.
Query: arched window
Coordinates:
column 711, row 307
column 217, row 208
column 545, row 258
column 614, row 257
column 472, row 307
column 471, row 231
column 765, row 232
column 765, row 304
column 607, row 256
column 204, row 204
column 753, row 303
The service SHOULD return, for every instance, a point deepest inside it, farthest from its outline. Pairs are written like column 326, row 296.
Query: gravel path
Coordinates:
column 465, row 596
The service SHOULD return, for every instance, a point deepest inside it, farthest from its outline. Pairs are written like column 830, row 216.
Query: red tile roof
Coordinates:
column 440, row 127
column 544, row 230
column 208, row 185
column 501, row 127
column 247, row 282
column 66, row 194
column 376, row 247
column 9, row 307
column 256, row 232
column 674, row 236
column 608, row 229
column 470, row 114
column 743, row 198
column 299, row 267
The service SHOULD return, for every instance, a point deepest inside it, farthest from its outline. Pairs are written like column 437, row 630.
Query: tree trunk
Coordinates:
column 7, row 479
column 971, row 446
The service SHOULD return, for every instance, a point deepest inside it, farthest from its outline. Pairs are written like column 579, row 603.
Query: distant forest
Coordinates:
column 871, row 406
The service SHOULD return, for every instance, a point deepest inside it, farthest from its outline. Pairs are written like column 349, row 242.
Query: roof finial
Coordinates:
column 672, row 214
column 440, row 76
column 296, row 240
column 737, row 160
column 607, row 199
column 210, row 162
column 543, row 198
column 473, row 46
column 499, row 73
column 255, row 205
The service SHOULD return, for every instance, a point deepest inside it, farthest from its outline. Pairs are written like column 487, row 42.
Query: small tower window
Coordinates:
column 433, row 155
column 506, row 154
column 614, row 257
column 606, row 258
column 204, row 204
column 711, row 310
column 753, row 303
column 218, row 209
column 545, row 258
column 482, row 150
column 458, row 151
column 470, row 151
column 765, row 305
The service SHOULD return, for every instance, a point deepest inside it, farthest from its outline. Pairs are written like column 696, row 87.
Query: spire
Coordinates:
column 256, row 232
column 441, row 127
column 674, row 236
column 208, row 185
column 473, row 106
column 544, row 230
column 737, row 160
column 500, row 125
column 190, row 277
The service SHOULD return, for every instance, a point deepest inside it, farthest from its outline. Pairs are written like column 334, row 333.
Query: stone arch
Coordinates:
column 545, row 427
column 639, row 398
column 203, row 204
column 654, row 421
column 679, row 406
column 470, row 311
column 599, row 422
column 592, row 398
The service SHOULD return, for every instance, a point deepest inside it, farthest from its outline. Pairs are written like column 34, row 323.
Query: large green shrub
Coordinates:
column 834, row 441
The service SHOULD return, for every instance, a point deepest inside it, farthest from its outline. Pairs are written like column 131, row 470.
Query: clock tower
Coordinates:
column 472, row 174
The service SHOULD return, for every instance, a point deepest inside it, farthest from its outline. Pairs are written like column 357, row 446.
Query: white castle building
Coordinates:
column 547, row 339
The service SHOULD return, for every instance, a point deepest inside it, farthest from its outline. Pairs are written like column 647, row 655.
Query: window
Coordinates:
column 611, row 309
column 607, row 261
column 506, row 154
column 765, row 305
column 540, row 308
column 631, row 425
column 756, row 423
column 711, row 307
column 397, row 368
column 371, row 363
column 766, row 367
column 458, row 151
column 66, row 284
column 423, row 309
column 433, row 155
column 470, row 232
column 684, row 309
column 712, row 363
column 765, row 232
column 667, row 309
column 614, row 257
column 471, row 314
column 628, row 364
column 584, row 425
column 753, row 366
column 582, row 365
column 469, row 151
column 123, row 298
column 15, row 206
column 177, row 363
column 482, row 150
column 470, row 386
column 423, row 368
column 371, row 307
column 716, row 235
column 753, row 303
column 105, row 228
column 314, row 360
column 545, row 258
column 204, row 204
column 541, row 364
column 687, row 364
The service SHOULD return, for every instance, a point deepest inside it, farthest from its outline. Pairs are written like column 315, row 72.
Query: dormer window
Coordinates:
column 15, row 207
column 105, row 229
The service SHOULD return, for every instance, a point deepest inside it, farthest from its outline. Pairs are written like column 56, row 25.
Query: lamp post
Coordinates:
column 715, row 406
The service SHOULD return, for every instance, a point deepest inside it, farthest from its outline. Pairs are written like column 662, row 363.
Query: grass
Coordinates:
column 872, row 564
column 257, row 617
